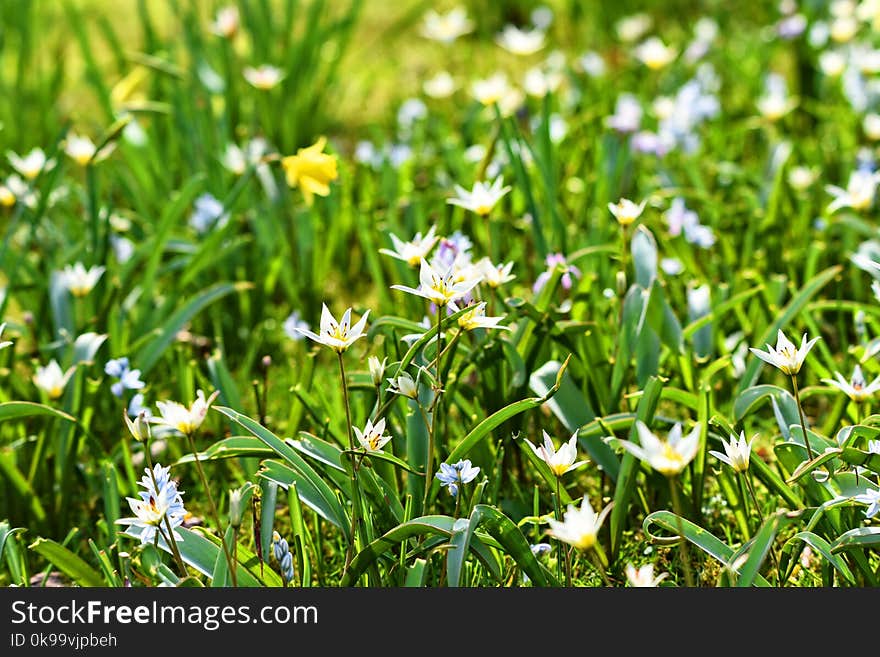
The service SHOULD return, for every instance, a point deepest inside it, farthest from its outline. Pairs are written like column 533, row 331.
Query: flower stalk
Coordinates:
column 797, row 399
column 355, row 486
column 215, row 516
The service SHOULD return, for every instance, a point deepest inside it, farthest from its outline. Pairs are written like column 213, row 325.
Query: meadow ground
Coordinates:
column 310, row 293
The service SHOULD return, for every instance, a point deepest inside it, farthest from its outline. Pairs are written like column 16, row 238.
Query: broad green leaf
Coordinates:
column 320, row 497
column 511, row 538
column 570, row 407
column 748, row 400
column 19, row 483
column 67, row 562
column 863, row 538
column 422, row 526
column 823, row 547
column 284, row 475
column 320, row 450
column 485, row 427
column 758, row 548
column 384, row 456
column 462, row 531
column 870, row 460
column 415, row 574
column 644, row 254
column 235, row 446
column 807, row 467
column 18, row 409
column 268, row 501
column 635, row 307
column 626, row 479
column 59, row 304
column 7, row 531
column 702, row 538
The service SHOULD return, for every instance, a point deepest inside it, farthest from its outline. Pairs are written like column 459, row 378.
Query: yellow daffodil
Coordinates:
column 311, row 170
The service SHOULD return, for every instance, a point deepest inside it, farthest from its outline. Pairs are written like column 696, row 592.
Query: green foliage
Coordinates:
column 195, row 206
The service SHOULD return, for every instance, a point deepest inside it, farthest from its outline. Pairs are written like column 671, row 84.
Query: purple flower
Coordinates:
column 552, row 260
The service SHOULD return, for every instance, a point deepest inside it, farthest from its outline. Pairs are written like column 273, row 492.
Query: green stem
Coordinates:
column 563, row 546
column 597, row 561
column 748, row 477
column 745, row 504
column 171, row 540
column 797, row 398
column 449, row 346
column 685, row 561
column 435, row 409
column 620, row 298
column 233, row 574
column 751, row 486
column 355, row 488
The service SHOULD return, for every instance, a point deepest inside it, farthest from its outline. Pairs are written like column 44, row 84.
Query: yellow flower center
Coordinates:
column 585, row 541
column 674, row 463
column 7, row 198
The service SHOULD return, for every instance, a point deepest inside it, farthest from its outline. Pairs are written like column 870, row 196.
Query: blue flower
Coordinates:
column 456, row 475
column 539, row 549
column 292, row 323
column 207, row 214
column 136, row 407
column 160, row 505
column 282, row 555
column 129, row 379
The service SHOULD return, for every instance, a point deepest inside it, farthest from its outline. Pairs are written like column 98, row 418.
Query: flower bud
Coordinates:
column 236, row 508
column 377, row 369
column 140, row 427
column 621, row 283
